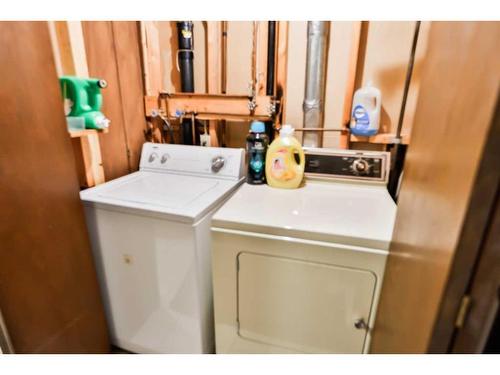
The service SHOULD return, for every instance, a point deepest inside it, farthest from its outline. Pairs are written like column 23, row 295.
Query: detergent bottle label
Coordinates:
column 281, row 168
column 361, row 118
column 257, row 158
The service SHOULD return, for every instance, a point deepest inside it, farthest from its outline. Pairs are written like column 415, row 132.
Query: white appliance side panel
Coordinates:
column 147, row 270
column 204, row 274
column 306, row 306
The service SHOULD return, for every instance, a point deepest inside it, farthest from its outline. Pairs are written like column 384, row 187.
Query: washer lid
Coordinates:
column 180, row 197
column 346, row 213
column 170, row 191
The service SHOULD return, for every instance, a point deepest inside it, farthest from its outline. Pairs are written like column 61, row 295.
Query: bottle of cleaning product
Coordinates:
column 283, row 170
column 83, row 98
column 257, row 143
column 366, row 107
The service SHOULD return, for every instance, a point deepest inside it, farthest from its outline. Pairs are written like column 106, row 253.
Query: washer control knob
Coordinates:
column 360, row 166
column 164, row 158
column 218, row 163
column 152, row 157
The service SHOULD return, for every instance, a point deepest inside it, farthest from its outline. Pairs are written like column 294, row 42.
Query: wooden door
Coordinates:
column 483, row 295
column 466, row 310
column 459, row 87
column 49, row 293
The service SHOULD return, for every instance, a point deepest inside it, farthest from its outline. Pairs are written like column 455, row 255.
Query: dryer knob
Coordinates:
column 164, row 158
column 218, row 163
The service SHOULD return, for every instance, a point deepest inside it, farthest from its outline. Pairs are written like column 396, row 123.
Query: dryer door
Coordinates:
column 304, row 306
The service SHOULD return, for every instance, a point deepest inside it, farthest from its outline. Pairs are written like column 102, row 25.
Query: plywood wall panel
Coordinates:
column 297, row 49
column 128, row 59
column 100, row 48
column 113, row 54
column 386, row 62
column 341, row 38
column 239, row 74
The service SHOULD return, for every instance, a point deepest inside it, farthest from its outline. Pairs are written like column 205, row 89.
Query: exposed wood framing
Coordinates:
column 317, row 130
column 88, row 157
column 353, row 79
column 71, row 59
column 381, row 138
column 262, row 32
column 69, row 48
column 213, row 70
column 281, row 70
column 128, row 66
column 151, row 58
column 210, row 106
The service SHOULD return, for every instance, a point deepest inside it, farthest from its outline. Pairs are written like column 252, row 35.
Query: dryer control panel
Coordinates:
column 347, row 164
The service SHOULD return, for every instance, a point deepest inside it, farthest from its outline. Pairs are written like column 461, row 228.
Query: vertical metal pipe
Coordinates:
column 223, row 77
column 317, row 56
column 185, row 57
column 271, row 69
column 271, row 57
column 398, row 150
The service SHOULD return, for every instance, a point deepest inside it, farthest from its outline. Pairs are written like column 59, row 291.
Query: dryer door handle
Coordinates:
column 361, row 324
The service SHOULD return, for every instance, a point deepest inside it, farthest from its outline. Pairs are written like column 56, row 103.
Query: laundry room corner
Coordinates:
column 200, row 188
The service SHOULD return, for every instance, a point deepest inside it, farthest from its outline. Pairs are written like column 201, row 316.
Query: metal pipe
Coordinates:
column 271, row 68
column 317, row 56
column 409, row 72
column 223, row 78
column 398, row 150
column 271, row 57
column 185, row 57
column 224, row 57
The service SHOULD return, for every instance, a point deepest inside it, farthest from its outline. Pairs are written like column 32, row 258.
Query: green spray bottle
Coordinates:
column 85, row 99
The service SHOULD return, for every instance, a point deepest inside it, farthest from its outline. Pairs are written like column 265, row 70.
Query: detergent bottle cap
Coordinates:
column 257, row 127
column 286, row 130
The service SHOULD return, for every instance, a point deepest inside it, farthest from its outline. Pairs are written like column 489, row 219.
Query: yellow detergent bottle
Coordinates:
column 282, row 169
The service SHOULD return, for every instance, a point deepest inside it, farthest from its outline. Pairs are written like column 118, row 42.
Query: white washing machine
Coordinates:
column 300, row 271
column 150, row 234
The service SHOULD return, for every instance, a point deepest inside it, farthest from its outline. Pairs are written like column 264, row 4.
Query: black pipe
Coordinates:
column 271, row 48
column 398, row 151
column 185, row 57
column 409, row 73
column 271, row 63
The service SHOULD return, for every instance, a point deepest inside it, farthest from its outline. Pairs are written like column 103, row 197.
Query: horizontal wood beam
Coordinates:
column 213, row 106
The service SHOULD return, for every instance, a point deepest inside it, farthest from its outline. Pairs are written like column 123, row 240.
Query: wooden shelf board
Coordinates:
column 384, row 138
column 85, row 132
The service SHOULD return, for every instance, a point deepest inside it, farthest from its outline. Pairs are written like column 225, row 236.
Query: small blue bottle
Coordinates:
column 257, row 143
